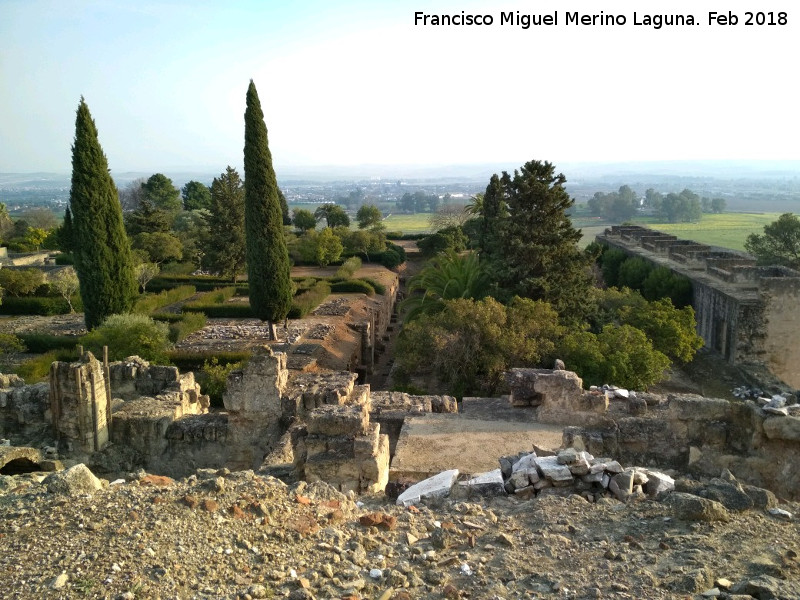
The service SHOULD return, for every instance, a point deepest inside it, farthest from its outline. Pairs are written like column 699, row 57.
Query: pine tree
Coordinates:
column 534, row 252
column 267, row 257
column 102, row 250
column 226, row 247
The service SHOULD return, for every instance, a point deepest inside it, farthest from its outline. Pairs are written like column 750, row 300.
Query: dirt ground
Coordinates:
column 435, row 442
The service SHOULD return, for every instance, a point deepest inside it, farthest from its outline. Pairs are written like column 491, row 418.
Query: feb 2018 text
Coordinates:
column 601, row 19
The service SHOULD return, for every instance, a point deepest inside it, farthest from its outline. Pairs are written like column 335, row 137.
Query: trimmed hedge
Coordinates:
column 65, row 259
column 353, row 286
column 376, row 285
column 202, row 283
column 221, row 311
column 191, row 322
column 35, row 305
column 152, row 302
column 39, row 343
column 306, row 301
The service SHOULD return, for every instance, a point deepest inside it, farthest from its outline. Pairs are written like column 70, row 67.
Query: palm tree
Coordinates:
column 446, row 277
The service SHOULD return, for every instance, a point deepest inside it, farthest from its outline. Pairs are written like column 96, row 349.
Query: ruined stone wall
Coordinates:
column 781, row 333
column 24, row 410
column 758, row 442
column 745, row 313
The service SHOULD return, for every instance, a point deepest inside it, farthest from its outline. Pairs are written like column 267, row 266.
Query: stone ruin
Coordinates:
column 323, row 426
column 757, row 441
column 129, row 414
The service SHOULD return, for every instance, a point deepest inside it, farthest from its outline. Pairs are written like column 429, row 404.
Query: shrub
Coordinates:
column 449, row 239
column 633, row 272
column 38, row 368
column 149, row 303
column 349, row 267
column 353, row 286
column 213, row 379
column 390, row 259
column 10, row 343
column 185, row 326
column 239, row 310
column 376, row 285
column 187, row 360
column 610, row 262
column 306, row 301
column 65, row 259
column 37, row 305
column 128, row 335
column 39, row 343
column 399, row 250
column 21, row 282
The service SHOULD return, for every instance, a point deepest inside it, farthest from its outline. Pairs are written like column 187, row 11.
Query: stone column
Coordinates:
column 78, row 403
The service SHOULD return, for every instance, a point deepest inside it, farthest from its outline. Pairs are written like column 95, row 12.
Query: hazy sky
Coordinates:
column 356, row 82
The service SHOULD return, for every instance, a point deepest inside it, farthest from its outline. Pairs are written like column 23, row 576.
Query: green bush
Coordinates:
column 349, row 267
column 129, row 335
column 65, row 259
column 353, row 286
column 10, row 343
column 21, row 282
column 39, row 343
column 38, row 368
column 188, row 324
column 390, row 259
column 217, row 297
column 306, row 301
column 213, row 379
column 376, row 285
column 36, row 305
column 187, row 360
column 149, row 303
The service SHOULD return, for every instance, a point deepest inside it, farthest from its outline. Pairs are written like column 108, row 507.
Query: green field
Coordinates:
column 729, row 230
column 416, row 223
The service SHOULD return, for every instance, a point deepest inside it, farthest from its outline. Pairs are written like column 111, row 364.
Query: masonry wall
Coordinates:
column 747, row 314
column 781, row 336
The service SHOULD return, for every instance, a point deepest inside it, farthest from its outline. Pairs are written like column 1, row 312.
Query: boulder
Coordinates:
column 688, row 507
column 75, row 480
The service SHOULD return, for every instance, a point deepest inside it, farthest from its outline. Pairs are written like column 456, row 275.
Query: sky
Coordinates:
column 356, row 82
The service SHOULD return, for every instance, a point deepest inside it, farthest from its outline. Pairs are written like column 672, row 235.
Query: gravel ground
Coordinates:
column 239, row 535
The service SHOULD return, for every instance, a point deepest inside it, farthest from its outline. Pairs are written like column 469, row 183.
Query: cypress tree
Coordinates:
column 267, row 257
column 101, row 248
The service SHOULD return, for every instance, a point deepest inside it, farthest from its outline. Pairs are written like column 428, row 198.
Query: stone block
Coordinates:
column 258, row 388
column 556, row 473
column 367, row 445
column 657, row 483
column 687, row 408
column 433, row 487
column 339, row 420
column 485, row 484
column 164, row 374
column 783, row 428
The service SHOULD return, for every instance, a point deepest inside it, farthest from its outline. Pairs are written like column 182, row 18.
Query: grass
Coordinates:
column 728, row 230
column 416, row 223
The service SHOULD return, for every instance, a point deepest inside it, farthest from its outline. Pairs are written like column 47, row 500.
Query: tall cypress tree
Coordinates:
column 267, row 257
column 101, row 248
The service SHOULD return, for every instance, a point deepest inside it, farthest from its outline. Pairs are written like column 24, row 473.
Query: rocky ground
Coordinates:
column 240, row 535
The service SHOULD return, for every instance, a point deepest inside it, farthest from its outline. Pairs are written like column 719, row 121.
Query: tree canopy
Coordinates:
column 779, row 244
column 226, row 249
column 267, row 257
column 195, row 196
column 368, row 216
column 333, row 214
column 529, row 241
column 102, row 251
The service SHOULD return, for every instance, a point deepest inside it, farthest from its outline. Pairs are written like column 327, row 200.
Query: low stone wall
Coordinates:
column 759, row 442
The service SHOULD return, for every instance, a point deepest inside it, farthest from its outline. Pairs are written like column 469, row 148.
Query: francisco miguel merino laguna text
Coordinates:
column 525, row 21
